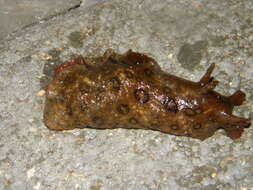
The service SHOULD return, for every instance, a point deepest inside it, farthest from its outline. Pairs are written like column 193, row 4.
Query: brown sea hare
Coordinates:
column 131, row 91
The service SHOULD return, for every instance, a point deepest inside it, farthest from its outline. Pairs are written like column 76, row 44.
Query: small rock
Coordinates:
column 30, row 173
column 214, row 175
column 41, row 93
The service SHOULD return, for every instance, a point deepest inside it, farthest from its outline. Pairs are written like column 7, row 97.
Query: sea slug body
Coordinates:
column 131, row 91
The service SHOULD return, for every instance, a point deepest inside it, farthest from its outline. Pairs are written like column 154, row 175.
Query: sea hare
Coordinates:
column 131, row 91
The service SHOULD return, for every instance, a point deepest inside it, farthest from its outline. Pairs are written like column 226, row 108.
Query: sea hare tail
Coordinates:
column 234, row 125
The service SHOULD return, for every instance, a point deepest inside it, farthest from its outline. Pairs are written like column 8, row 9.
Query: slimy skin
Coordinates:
column 131, row 91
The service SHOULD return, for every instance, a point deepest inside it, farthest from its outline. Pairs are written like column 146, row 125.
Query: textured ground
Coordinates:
column 184, row 37
column 16, row 15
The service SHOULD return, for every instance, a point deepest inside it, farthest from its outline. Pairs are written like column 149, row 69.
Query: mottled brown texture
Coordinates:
column 131, row 91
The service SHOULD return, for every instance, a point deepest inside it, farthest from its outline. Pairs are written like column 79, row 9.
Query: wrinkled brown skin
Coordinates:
column 131, row 91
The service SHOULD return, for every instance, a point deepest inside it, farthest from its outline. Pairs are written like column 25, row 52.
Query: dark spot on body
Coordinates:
column 115, row 83
column 69, row 109
column 196, row 126
column 97, row 120
column 148, row 72
column 84, row 88
column 170, row 104
column 189, row 112
column 133, row 121
column 141, row 96
column 123, row 109
column 129, row 74
column 83, row 106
